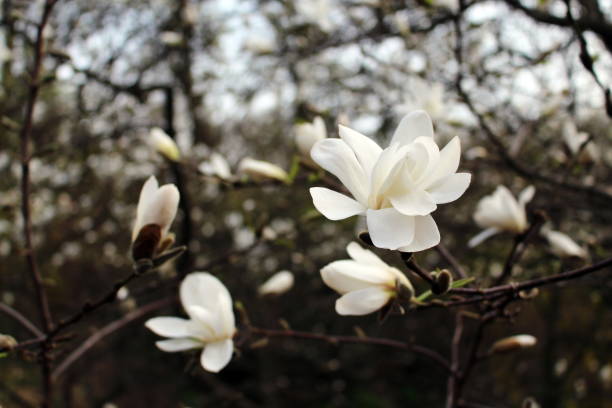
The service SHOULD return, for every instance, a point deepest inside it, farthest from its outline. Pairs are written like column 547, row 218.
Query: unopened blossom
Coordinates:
column 365, row 282
column 211, row 324
column 156, row 210
column 216, row 165
column 520, row 341
column 396, row 188
column 500, row 211
column 261, row 170
column 307, row 134
column 563, row 246
column 278, row 284
column 164, row 144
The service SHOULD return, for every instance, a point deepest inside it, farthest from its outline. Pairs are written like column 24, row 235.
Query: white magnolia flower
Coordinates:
column 216, row 165
column 395, row 188
column 574, row 140
column 500, row 211
column 278, row 284
column 365, row 282
column 154, row 215
column 211, row 323
column 164, row 144
column 520, row 341
column 317, row 12
column 260, row 170
column 307, row 134
column 563, row 246
column 426, row 96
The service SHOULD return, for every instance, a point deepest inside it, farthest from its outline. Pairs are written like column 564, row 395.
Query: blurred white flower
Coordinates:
column 317, row 12
column 563, row 246
column 211, row 322
column 500, row 211
column 261, row 170
column 575, row 140
column 365, row 282
column 164, row 144
column 154, row 215
column 278, row 284
column 452, row 5
column 216, row 165
column 171, row 38
column 520, row 341
column 307, row 134
column 426, row 96
column 396, row 188
column 260, row 45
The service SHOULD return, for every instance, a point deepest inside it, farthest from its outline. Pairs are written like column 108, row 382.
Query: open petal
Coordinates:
column 426, row 235
column 526, row 195
column 335, row 156
column 364, row 256
column 169, row 326
column 450, row 188
column 362, row 302
column 216, row 355
column 203, row 290
column 448, row 162
column 174, row 345
column 386, row 171
column 413, row 125
column 390, row 229
column 333, row 205
column 416, row 202
column 366, row 150
column 347, row 275
column 423, row 157
column 482, row 236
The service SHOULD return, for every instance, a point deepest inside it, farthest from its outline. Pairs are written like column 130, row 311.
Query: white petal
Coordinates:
column 169, row 326
column 364, row 256
column 386, row 172
column 411, row 126
column 335, row 156
column 448, row 162
column 174, row 345
column 146, row 196
column 278, row 283
column 203, row 290
column 259, row 169
column 423, row 155
column 333, row 205
column 416, row 202
column 390, row 229
column 482, row 236
column 366, row 150
column 450, row 188
column 216, row 355
column 426, row 235
column 162, row 208
column 164, row 144
column 362, row 302
column 526, row 195
column 345, row 276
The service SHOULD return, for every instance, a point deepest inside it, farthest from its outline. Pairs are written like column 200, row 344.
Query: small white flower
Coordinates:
column 396, row 188
column 500, row 211
column 574, row 140
column 164, row 144
column 563, row 246
column 520, row 341
column 307, row 134
column 278, row 284
column 261, row 170
column 216, row 165
column 211, row 322
column 365, row 282
column 154, row 215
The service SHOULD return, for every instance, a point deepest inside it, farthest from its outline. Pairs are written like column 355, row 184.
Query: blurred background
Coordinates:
column 521, row 82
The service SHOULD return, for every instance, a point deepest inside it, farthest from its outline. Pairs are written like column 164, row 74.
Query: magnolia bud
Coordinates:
column 512, row 343
column 7, row 342
column 443, row 281
column 403, row 291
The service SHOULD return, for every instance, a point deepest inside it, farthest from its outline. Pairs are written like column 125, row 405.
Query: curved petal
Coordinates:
column 426, row 235
column 170, row 326
column 146, row 196
column 162, row 207
column 450, row 188
column 203, row 290
column 335, row 156
column 216, row 355
column 333, row 205
column 386, row 172
column 366, row 150
column 482, row 236
column 347, row 275
column 416, row 202
column 364, row 256
column 413, row 125
column 526, row 195
column 448, row 162
column 362, row 302
column 390, row 229
column 174, row 345
column 423, row 157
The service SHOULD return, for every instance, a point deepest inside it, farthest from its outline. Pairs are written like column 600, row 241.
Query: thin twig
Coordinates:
column 24, row 321
column 446, row 254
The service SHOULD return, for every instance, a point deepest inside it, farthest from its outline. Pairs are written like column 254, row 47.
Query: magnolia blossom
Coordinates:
column 500, row 211
column 216, row 165
column 365, row 282
column 154, row 215
column 164, row 144
column 307, row 134
column 426, row 96
column 278, row 284
column 579, row 143
column 518, row 341
column 260, row 170
column 396, row 188
column 211, row 323
column 563, row 246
